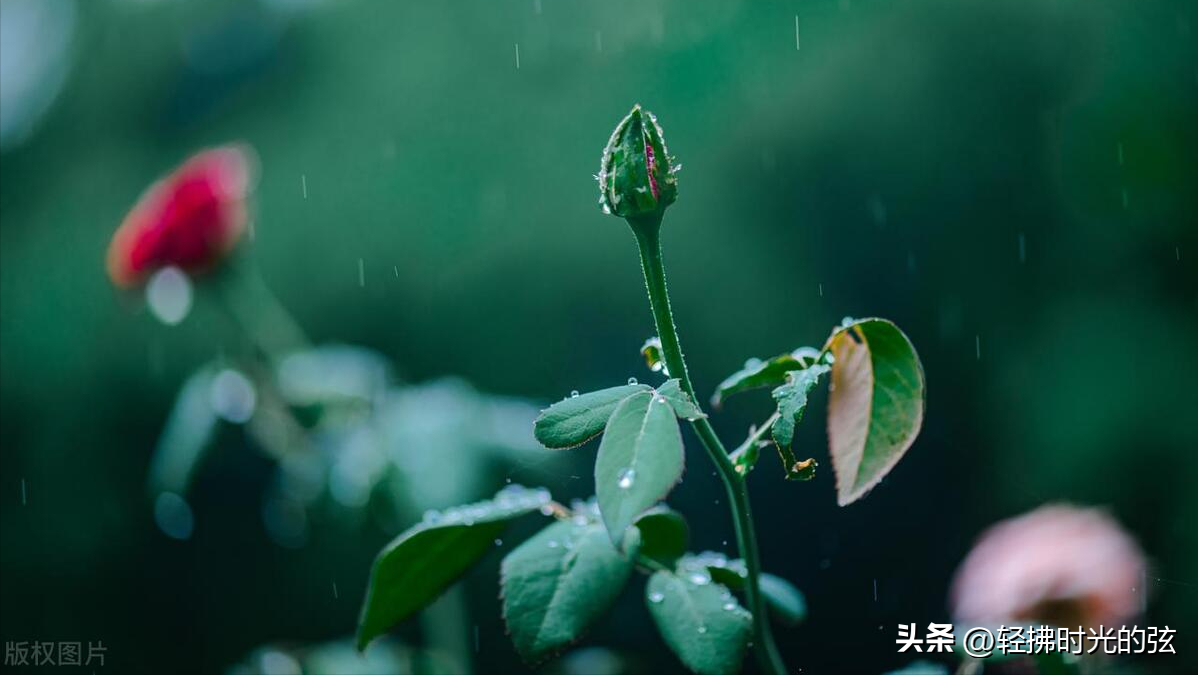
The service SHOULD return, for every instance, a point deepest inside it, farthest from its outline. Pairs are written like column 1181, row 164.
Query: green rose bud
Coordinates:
column 636, row 177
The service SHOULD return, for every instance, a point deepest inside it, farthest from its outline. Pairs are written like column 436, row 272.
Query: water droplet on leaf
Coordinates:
column 624, row 480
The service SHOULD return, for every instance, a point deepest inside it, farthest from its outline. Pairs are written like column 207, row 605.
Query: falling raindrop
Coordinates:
column 624, row 480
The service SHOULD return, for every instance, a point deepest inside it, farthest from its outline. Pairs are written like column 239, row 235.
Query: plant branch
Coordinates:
column 256, row 311
column 755, row 436
column 647, row 231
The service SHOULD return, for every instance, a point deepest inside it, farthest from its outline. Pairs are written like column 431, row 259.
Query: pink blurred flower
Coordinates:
column 189, row 219
column 1060, row 565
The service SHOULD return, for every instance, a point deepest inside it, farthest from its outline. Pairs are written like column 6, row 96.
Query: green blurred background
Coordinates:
column 1013, row 183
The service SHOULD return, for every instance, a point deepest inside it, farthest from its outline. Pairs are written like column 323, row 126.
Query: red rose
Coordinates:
column 190, row 219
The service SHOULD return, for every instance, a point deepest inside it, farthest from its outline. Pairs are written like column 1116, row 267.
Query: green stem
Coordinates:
column 258, row 313
column 647, row 233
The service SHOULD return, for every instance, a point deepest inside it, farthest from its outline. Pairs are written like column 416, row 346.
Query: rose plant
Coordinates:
column 709, row 609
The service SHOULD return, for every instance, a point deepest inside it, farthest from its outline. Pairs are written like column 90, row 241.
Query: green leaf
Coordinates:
column 723, row 570
column 684, row 407
column 786, row 601
column 792, row 401
column 770, row 373
column 640, row 459
column 578, row 419
column 664, row 535
column 700, row 620
column 333, row 375
column 188, row 433
column 558, row 583
column 419, row 564
column 876, row 405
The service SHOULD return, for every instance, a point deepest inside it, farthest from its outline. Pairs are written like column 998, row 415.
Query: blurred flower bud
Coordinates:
column 636, row 177
column 190, row 219
column 1059, row 565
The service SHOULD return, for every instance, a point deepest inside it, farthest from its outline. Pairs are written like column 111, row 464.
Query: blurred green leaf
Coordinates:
column 876, row 405
column 640, row 459
column 332, row 375
column 556, row 584
column 921, row 667
column 770, row 373
column 340, row 658
column 786, row 601
column 700, row 620
column 188, row 433
column 578, row 419
column 422, row 562
column 684, row 406
column 664, row 535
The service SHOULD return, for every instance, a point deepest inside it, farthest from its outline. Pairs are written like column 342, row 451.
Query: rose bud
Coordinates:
column 636, row 177
column 1058, row 565
column 190, row 219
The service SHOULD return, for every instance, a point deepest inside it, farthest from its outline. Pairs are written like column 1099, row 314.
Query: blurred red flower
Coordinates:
column 1059, row 565
column 189, row 219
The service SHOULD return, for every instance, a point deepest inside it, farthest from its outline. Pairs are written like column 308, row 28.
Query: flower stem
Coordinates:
column 647, row 231
column 258, row 313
